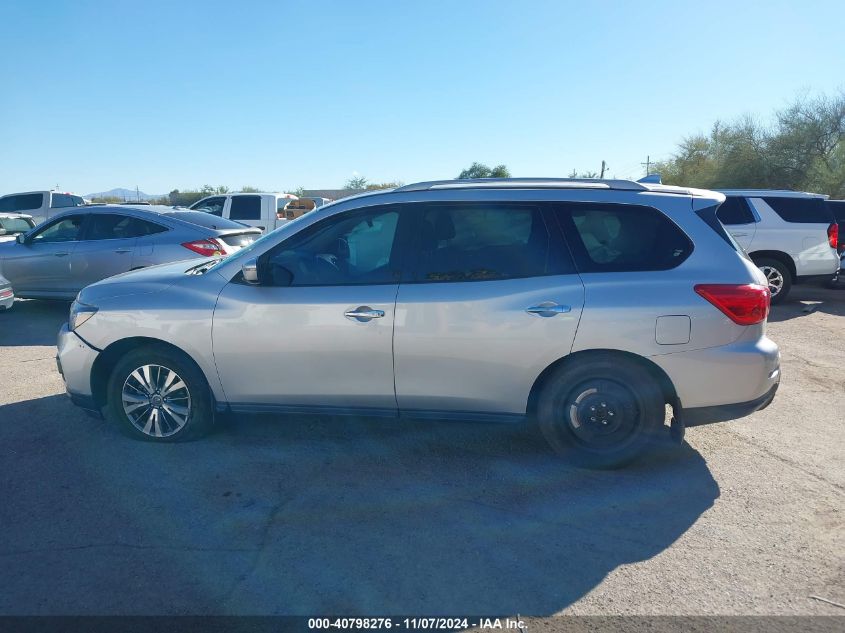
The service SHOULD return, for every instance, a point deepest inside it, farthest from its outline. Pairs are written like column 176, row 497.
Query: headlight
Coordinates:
column 79, row 314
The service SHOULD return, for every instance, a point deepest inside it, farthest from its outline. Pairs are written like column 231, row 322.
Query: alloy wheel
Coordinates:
column 774, row 278
column 156, row 400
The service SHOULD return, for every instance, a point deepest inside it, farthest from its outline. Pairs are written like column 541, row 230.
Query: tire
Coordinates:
column 779, row 277
column 601, row 411
column 139, row 403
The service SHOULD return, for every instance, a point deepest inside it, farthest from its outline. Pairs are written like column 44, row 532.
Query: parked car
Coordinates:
column 11, row 224
column 584, row 305
column 41, row 205
column 7, row 295
column 263, row 210
column 792, row 236
column 76, row 248
column 837, row 207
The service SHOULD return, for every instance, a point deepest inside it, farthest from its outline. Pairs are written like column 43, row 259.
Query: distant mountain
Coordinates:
column 130, row 195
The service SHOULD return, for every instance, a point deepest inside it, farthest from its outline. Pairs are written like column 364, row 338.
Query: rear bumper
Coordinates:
column 724, row 412
column 815, row 279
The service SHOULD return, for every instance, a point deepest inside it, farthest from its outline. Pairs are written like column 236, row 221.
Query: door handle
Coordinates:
column 64, row 254
column 123, row 250
column 548, row 309
column 739, row 234
column 363, row 314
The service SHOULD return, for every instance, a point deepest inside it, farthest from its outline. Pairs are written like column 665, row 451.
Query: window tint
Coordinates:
column 109, row 226
column 837, row 207
column 618, row 238
column 61, row 200
column 484, row 241
column 213, row 206
column 352, row 248
column 245, row 208
column 810, row 210
column 26, row 202
column 735, row 211
column 65, row 230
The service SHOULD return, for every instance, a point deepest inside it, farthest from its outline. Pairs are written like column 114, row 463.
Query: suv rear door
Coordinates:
column 491, row 299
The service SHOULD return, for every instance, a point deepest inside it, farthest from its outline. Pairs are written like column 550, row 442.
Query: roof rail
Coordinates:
column 519, row 183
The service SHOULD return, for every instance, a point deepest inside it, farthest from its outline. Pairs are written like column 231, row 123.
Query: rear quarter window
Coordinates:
column 623, row 238
column 800, row 210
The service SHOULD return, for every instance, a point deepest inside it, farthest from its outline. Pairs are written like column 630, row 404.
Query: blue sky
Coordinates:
column 163, row 95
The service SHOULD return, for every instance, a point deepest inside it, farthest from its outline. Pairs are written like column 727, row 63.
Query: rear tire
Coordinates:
column 601, row 411
column 158, row 394
column 778, row 277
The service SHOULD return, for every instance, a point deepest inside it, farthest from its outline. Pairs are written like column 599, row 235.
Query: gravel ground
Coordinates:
column 315, row 516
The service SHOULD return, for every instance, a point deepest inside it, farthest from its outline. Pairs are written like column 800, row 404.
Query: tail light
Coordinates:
column 833, row 236
column 743, row 304
column 207, row 248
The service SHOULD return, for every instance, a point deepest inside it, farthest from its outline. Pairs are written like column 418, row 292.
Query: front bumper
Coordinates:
column 75, row 360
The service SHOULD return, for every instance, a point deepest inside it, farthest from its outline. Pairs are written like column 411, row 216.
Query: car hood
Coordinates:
column 142, row 281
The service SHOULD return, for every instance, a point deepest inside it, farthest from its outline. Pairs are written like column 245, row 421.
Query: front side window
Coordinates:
column 623, row 238
column 351, row 248
column 24, row 202
column 213, row 206
column 245, row 208
column 734, row 210
column 483, row 242
column 67, row 229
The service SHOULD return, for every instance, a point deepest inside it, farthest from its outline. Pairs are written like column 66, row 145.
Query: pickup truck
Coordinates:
column 265, row 211
column 41, row 205
column 12, row 224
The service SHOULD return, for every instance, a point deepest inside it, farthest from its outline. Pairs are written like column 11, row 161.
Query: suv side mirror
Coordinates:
column 249, row 270
column 20, row 238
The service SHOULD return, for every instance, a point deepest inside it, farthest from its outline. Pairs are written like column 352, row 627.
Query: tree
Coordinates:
column 802, row 149
column 356, row 182
column 248, row 189
column 585, row 174
column 373, row 186
column 480, row 170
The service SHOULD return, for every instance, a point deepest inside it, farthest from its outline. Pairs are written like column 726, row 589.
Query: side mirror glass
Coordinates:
column 249, row 270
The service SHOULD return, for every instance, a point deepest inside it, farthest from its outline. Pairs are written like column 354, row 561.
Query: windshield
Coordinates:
column 16, row 225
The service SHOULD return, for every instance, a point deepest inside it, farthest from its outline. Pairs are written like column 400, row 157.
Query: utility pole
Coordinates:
column 647, row 165
column 603, row 167
column 137, row 194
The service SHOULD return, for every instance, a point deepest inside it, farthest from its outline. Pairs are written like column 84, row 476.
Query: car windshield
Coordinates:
column 13, row 226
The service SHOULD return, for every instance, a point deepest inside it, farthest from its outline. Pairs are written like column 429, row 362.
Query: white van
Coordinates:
column 265, row 211
column 41, row 205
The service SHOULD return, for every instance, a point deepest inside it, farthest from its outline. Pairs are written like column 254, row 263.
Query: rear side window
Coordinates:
column 807, row 210
column 837, row 207
column 25, row 202
column 486, row 241
column 61, row 200
column 245, row 208
column 623, row 238
column 735, row 211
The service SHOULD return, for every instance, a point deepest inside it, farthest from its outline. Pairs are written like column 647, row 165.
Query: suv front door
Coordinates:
column 491, row 300
column 317, row 333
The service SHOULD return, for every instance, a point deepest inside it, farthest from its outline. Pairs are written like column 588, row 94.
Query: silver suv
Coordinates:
column 585, row 306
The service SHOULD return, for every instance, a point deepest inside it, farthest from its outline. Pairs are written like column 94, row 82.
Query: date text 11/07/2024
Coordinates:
column 387, row 623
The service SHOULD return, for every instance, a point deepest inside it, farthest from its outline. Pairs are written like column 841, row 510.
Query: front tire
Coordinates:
column 602, row 411
column 778, row 277
column 157, row 394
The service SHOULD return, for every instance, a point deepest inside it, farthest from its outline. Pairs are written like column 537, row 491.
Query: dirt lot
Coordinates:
column 312, row 516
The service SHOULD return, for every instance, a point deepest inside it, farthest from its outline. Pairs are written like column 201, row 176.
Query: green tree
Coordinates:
column 373, row 186
column 802, row 149
column 356, row 182
column 480, row 170
column 248, row 189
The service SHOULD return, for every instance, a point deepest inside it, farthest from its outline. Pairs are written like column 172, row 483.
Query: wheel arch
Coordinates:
column 783, row 258
column 108, row 358
column 667, row 388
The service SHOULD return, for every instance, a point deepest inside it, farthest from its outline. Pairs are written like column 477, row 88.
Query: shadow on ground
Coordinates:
column 32, row 322
column 317, row 515
column 804, row 300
